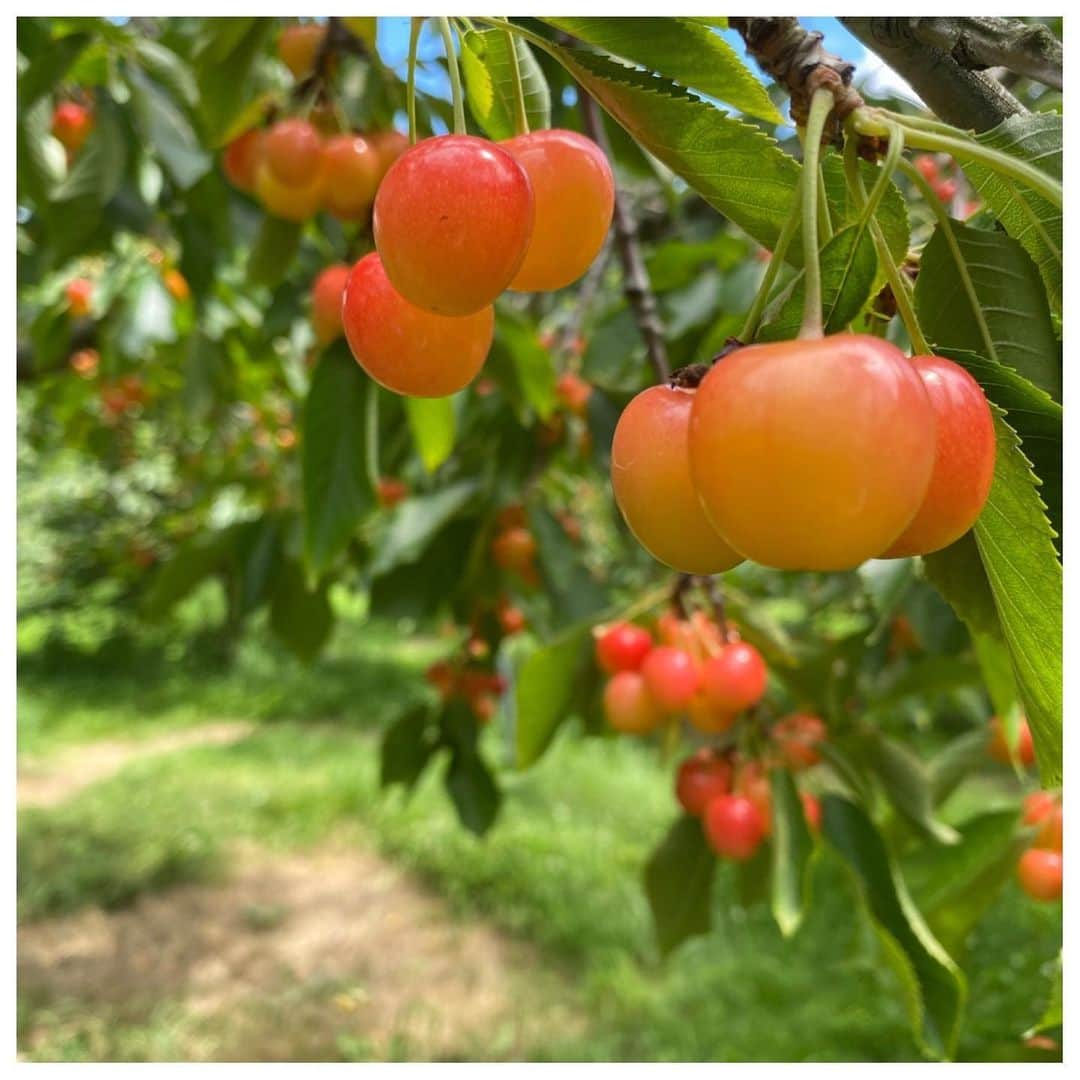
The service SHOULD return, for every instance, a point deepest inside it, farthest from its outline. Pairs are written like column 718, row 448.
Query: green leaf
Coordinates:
column 406, row 748
column 192, row 563
column 792, row 847
column 681, row 50
column 47, row 69
column 167, row 68
column 936, row 673
column 489, row 82
column 275, row 247
column 1053, row 1015
column 1026, row 215
column 952, row 765
column 225, row 67
column 678, row 884
column 472, row 789
column 886, row 582
column 98, row 170
column 935, row 988
column 337, row 491
column 573, row 591
column 145, row 318
column 523, row 367
column 299, row 616
column 1004, row 316
column 433, row 424
column 165, row 128
column 260, row 554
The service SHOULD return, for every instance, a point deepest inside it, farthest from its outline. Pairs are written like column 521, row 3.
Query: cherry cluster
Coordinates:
column 805, row 455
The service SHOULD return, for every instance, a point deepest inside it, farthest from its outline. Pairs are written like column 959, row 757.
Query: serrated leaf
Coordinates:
column 489, row 82
column 682, row 50
column 167, row 130
column 433, row 424
column 299, row 616
column 678, row 884
column 792, row 847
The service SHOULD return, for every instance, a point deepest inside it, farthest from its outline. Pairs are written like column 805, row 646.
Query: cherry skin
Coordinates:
column 453, row 217
column 963, row 464
column 241, row 159
column 573, row 393
column 299, row 45
column 650, row 476
column 734, row 826
column 71, row 124
column 1038, row 806
column 284, row 201
column 326, row 298
column 753, row 782
column 1040, row 874
column 512, row 620
column 514, row 549
column 735, row 678
column 404, row 348
column 928, row 166
column 672, row 677
column 999, row 746
column 85, row 363
column 628, row 706
column 352, row 171
column 389, row 146
column 812, row 455
column 706, row 717
column 79, row 292
column 811, row 811
column 798, row 737
column 574, row 191
column 293, row 149
column 390, row 491
column 622, row 647
column 700, row 779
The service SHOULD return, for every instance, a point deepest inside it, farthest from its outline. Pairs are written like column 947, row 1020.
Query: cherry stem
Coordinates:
column 521, row 114
column 371, row 440
column 455, row 75
column 821, row 104
column 410, row 86
column 716, row 599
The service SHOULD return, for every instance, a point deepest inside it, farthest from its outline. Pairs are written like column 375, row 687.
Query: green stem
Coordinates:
column 521, row 114
column 528, row 35
column 824, row 215
column 945, row 225
column 776, row 263
column 821, row 104
column 410, row 86
column 881, row 184
column 371, row 440
column 455, row 75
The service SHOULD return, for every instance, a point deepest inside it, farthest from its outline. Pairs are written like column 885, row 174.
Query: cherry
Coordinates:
column 389, row 146
column 1040, row 874
column 351, row 169
column 622, row 647
column 700, row 779
column 963, row 463
column 293, row 150
column 811, row 811
column 484, row 707
column 753, row 782
column 650, row 475
column 389, row 491
column 1038, row 805
column 928, row 166
column 514, row 549
column 85, row 362
column 735, row 678
column 734, row 826
column 945, row 190
column 299, row 45
column 404, row 348
column 999, row 746
column 706, row 717
column 574, row 191
column 453, row 218
column 628, row 706
column 1043, row 808
column 326, row 300
column 442, row 676
column 672, row 677
column 511, row 517
column 241, row 159
column 177, row 285
column 812, row 455
column 573, row 393
column 797, row 737
column 79, row 293
column 512, row 620
column 71, row 124
column 286, row 201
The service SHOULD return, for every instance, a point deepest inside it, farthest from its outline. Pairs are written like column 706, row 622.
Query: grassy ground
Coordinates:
column 561, row 869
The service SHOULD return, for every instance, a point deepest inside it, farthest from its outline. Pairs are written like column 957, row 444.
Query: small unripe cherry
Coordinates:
column 734, row 826
column 389, row 146
column 798, row 737
column 390, row 491
column 71, row 124
column 79, row 293
column 622, row 647
column 963, row 462
column 452, row 221
column 650, row 476
column 735, row 678
column 701, row 778
column 241, row 159
column 999, row 746
column 706, row 717
column 672, row 677
column 1040, row 874
column 293, row 150
column 574, row 193
column 297, row 204
column 299, row 45
column 811, row 811
column 514, row 549
column 628, row 706
column 404, row 348
column 573, row 393
column 351, row 175
column 327, row 295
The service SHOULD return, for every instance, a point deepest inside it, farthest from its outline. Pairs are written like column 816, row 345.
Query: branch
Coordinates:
column 966, row 99
column 636, row 284
column 982, row 42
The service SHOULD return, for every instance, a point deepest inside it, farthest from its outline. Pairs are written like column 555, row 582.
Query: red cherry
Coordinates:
column 573, row 393
column 735, row 678
column 1038, row 805
column 999, row 747
column 241, row 159
column 79, row 292
column 812, row 455
column 442, row 676
column 404, row 348
column 326, row 299
column 945, row 190
column 700, row 779
column 706, row 717
column 1040, row 874
column 622, row 647
column 672, row 677
column 71, row 124
column 811, row 811
column 293, row 150
column 389, row 492
column 963, row 462
column 628, row 706
column 753, row 782
column 514, row 549
column 928, row 166
column 453, row 218
column 85, row 362
column 734, row 826
column 512, row 620
column 798, row 736
column 299, row 45
column 351, row 169
column 389, row 145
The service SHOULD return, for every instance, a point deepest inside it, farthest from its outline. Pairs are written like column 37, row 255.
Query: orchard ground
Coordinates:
column 208, row 871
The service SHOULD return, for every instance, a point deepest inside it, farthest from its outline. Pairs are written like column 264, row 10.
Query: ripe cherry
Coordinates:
column 811, row 811
column 326, row 300
column 706, row 717
column 484, row 707
column 389, row 146
column 812, row 455
column 628, row 706
column 79, row 293
column 71, row 124
column 299, row 45
column 293, row 150
column 999, row 746
column 945, row 190
column 452, row 221
column 574, row 192
column 573, row 393
column 622, row 647
column 701, row 778
column 351, row 172
column 735, row 678
column 1038, row 805
column 514, row 549
column 963, row 462
column 511, row 517
column 512, row 620
column 285, row 201
column 176, row 284
column 928, row 166
column 404, row 348
column 85, row 363
column 734, row 826
column 753, row 782
column 1043, row 808
column 798, row 737
column 650, row 475
column 241, row 159
column 1040, row 874
column 672, row 677
column 390, row 491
